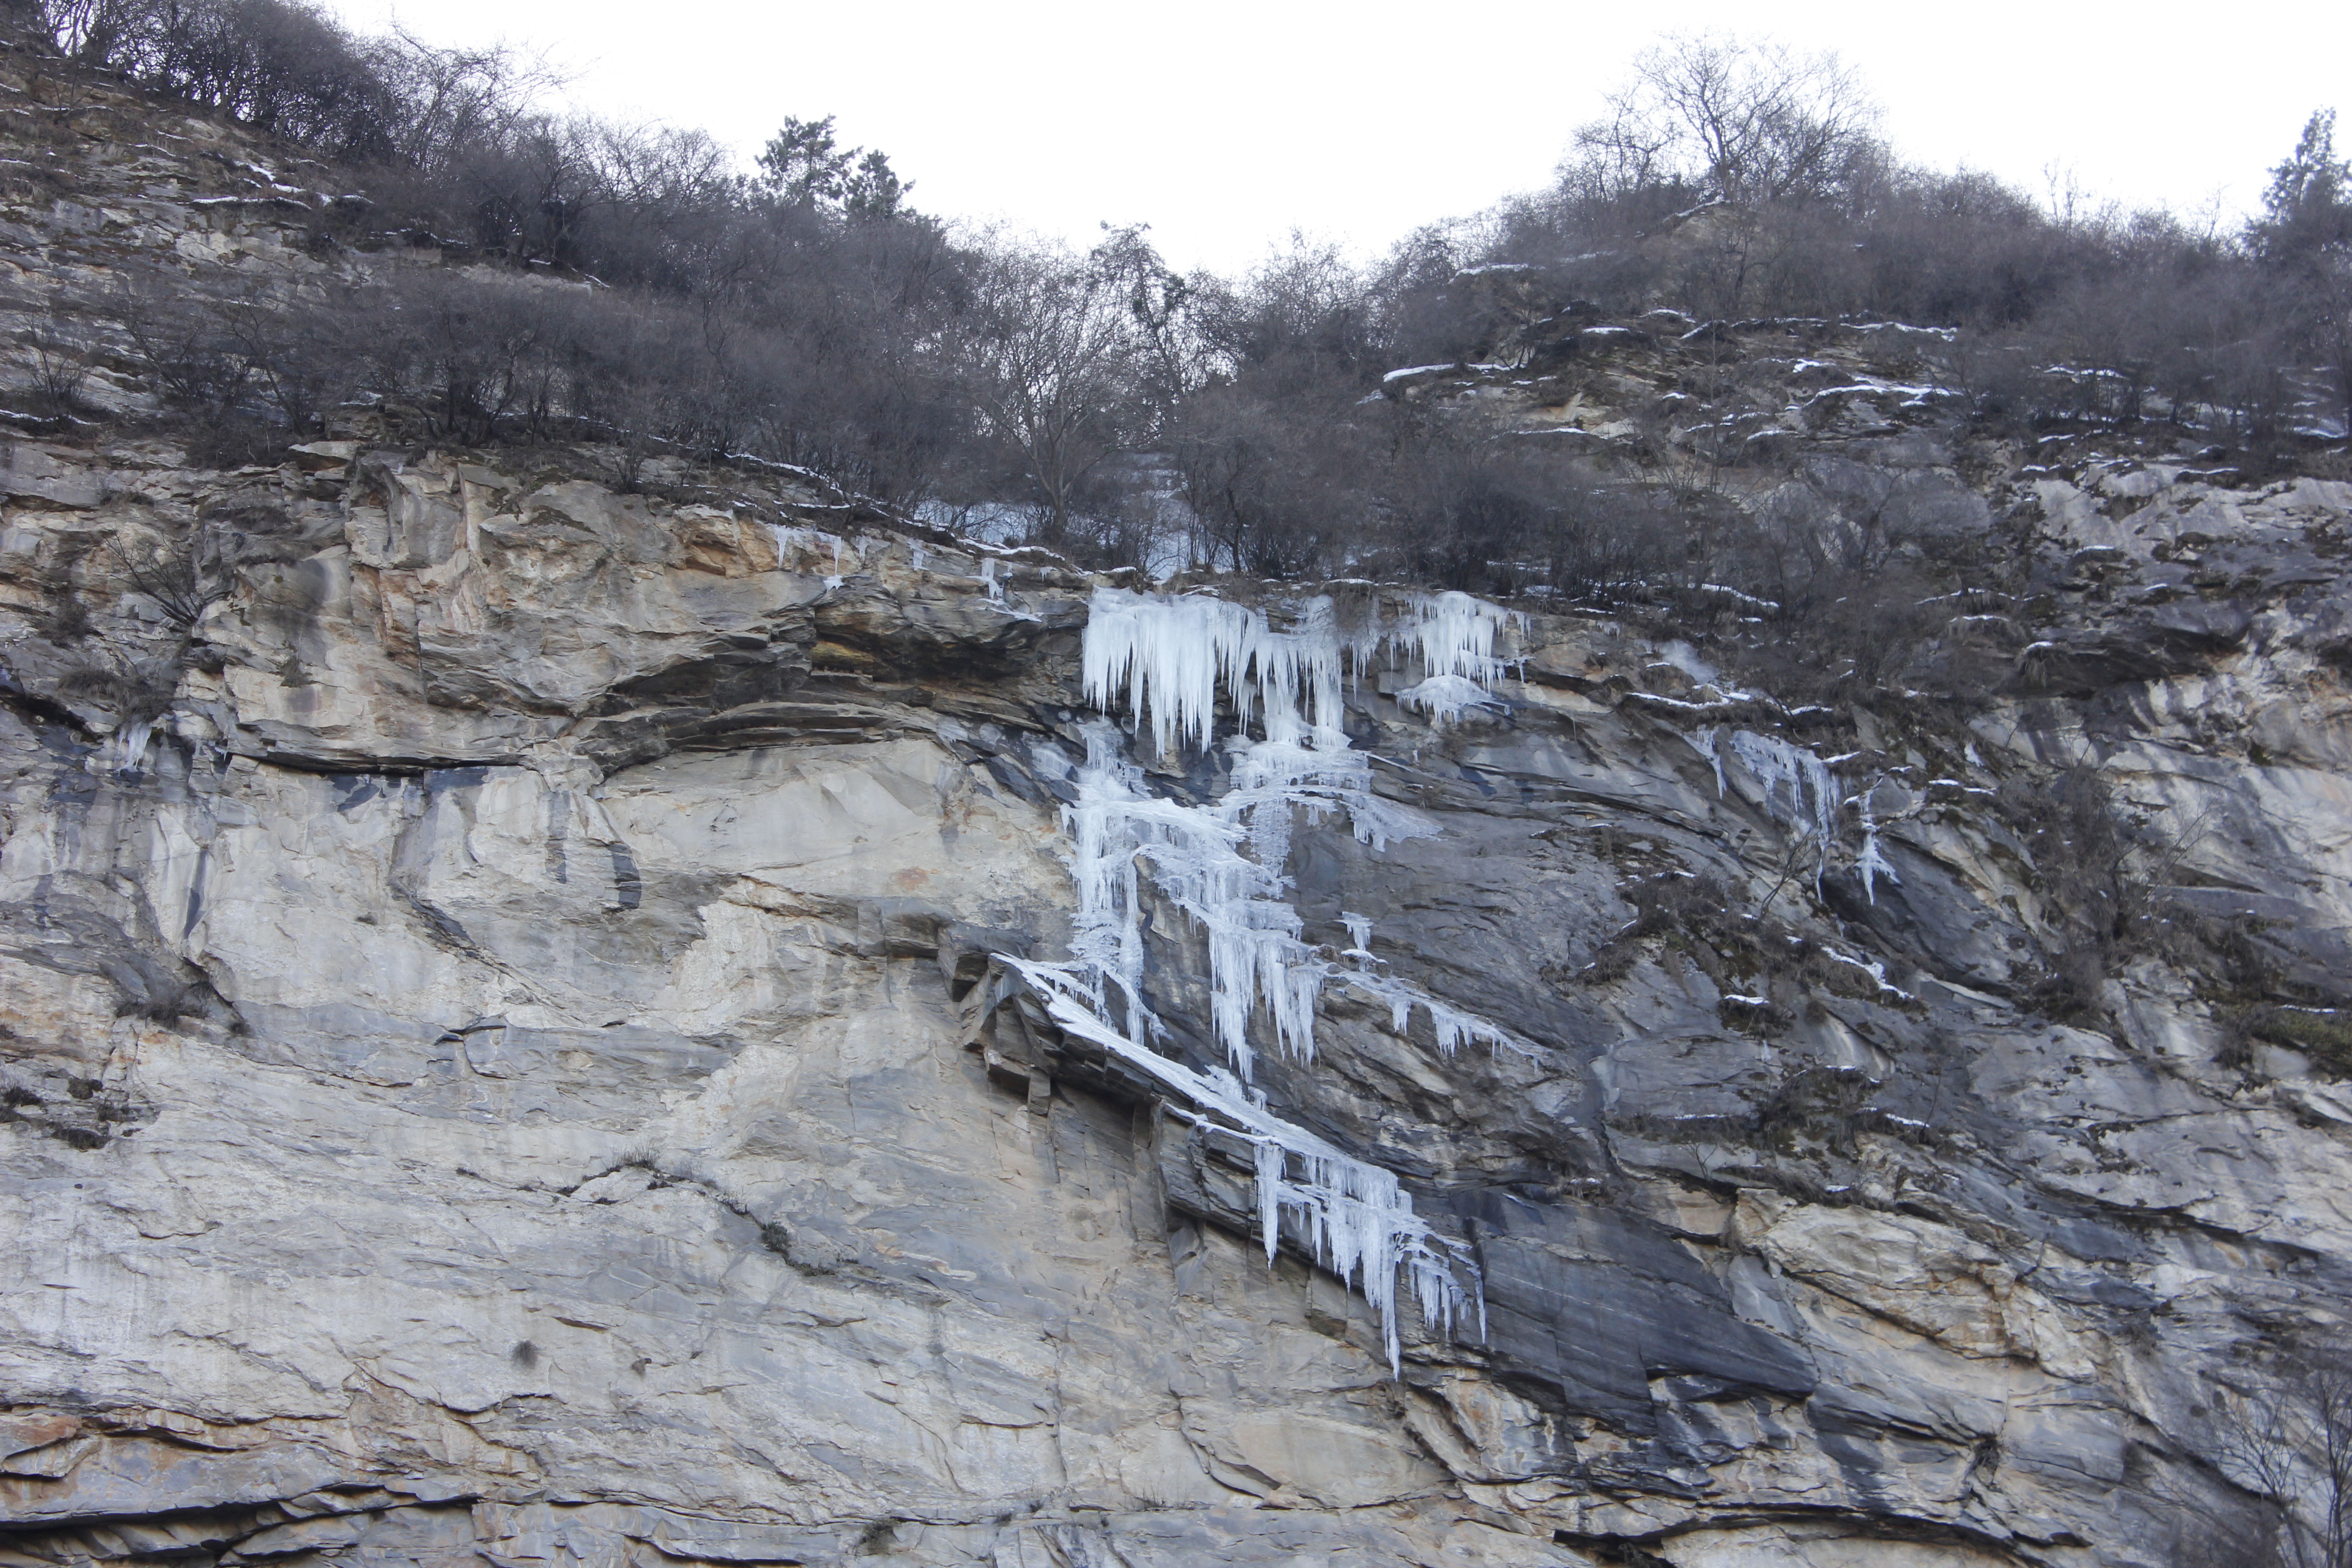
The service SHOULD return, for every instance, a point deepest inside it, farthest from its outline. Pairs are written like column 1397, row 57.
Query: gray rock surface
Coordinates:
column 502, row 1063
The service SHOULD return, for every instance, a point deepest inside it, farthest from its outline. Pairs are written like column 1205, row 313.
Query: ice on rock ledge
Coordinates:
column 1453, row 635
column 1358, row 1221
column 1256, row 954
column 1168, row 658
column 1797, row 787
column 1445, row 698
column 1223, row 864
column 791, row 540
column 1450, row 1023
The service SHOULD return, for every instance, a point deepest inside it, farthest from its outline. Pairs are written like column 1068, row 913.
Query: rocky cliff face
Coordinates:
column 510, row 1054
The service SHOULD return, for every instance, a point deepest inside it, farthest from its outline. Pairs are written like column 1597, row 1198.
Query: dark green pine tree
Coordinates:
column 2306, row 234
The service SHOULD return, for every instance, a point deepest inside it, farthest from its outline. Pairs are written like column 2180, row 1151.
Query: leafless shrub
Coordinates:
column 2287, row 1438
column 183, row 572
column 58, row 359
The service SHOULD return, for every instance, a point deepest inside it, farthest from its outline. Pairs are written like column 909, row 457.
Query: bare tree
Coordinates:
column 1049, row 351
column 1748, row 121
column 2290, row 1443
column 1748, row 131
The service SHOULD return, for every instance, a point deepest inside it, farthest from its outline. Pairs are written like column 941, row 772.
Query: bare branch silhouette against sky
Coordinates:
column 1224, row 125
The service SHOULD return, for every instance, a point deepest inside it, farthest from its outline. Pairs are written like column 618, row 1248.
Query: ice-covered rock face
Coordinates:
column 677, row 1058
column 1173, row 656
column 517, row 1044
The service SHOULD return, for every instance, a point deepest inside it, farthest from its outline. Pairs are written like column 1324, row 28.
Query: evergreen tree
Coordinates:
column 2306, row 234
column 2307, row 211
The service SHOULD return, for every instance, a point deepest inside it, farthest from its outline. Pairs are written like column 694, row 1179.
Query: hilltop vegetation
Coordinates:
column 806, row 311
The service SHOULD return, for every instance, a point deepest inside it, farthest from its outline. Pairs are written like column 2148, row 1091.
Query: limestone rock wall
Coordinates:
column 501, row 1072
column 501, row 1061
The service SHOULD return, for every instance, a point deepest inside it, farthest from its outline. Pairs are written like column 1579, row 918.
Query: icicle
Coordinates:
column 1360, row 933
column 988, row 579
column 921, row 557
column 1703, row 742
column 1273, row 1165
column 1873, row 863
column 1795, row 773
column 135, row 739
column 1451, row 1025
column 1454, row 635
column 791, row 540
column 1358, row 1221
column 1171, row 654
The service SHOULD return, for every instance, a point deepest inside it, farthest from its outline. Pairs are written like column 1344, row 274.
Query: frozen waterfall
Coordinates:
column 1164, row 660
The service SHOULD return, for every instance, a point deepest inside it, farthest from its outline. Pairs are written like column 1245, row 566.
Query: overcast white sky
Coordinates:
column 1225, row 125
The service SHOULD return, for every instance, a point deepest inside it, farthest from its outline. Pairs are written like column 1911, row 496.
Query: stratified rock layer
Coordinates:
column 503, row 1061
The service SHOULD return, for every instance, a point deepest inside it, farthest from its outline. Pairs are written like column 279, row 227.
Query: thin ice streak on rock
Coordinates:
column 1451, row 1025
column 1873, row 863
column 1798, row 787
column 1703, row 741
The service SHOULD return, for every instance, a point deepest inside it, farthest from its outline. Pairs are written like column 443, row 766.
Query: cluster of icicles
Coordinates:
column 1164, row 660
column 1799, row 790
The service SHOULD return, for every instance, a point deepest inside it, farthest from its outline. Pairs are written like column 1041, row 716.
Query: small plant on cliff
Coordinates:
column 2287, row 1438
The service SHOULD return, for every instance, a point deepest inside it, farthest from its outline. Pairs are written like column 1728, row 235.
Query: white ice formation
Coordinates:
column 1171, row 654
column 791, row 540
column 1798, row 787
column 1445, row 698
column 1354, row 1217
column 1196, row 861
column 130, row 745
column 1165, row 661
column 1453, row 635
column 1449, row 1024
column 1873, row 862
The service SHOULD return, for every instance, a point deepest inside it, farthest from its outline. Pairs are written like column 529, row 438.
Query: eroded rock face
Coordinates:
column 500, row 1068
column 502, row 1061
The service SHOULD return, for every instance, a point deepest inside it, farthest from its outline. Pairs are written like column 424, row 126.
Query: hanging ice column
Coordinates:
column 1356, row 1220
column 1455, row 636
column 1168, row 659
